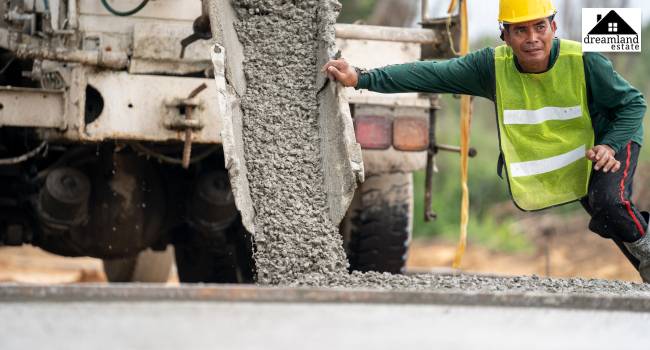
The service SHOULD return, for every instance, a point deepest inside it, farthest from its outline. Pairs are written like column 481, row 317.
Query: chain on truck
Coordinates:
column 111, row 137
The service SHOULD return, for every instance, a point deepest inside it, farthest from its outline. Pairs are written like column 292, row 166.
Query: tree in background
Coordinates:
column 394, row 13
column 356, row 10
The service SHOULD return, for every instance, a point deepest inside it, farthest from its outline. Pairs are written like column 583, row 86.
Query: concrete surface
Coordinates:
column 214, row 319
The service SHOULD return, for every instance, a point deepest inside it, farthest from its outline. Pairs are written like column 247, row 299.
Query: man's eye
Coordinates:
column 541, row 27
column 520, row 30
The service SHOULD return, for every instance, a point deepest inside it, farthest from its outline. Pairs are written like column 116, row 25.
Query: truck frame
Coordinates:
column 109, row 144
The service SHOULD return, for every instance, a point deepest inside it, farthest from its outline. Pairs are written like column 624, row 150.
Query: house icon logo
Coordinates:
column 612, row 24
column 611, row 30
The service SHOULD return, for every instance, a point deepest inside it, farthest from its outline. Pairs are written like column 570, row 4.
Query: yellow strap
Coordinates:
column 452, row 6
column 465, row 123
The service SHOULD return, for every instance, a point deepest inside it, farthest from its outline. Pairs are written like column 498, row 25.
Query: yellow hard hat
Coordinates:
column 517, row 11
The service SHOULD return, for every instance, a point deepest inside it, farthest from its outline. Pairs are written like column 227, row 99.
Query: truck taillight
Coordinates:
column 411, row 134
column 373, row 132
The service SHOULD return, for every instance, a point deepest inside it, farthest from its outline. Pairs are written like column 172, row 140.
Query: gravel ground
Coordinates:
column 473, row 283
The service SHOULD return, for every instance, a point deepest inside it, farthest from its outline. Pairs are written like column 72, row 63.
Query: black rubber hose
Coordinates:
column 124, row 13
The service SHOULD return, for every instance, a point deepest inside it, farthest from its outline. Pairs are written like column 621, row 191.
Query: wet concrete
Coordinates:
column 481, row 284
column 294, row 236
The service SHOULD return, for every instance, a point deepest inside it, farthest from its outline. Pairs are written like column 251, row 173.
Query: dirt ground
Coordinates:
column 597, row 258
column 568, row 250
column 28, row 264
column 572, row 252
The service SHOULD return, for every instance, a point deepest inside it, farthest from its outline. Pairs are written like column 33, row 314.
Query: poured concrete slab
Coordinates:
column 231, row 317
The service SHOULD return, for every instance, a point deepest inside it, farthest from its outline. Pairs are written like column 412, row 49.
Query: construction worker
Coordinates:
column 570, row 127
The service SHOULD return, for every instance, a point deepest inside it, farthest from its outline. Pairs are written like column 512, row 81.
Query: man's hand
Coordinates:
column 603, row 157
column 341, row 71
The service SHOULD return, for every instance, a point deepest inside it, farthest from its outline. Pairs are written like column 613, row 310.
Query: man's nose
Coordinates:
column 532, row 37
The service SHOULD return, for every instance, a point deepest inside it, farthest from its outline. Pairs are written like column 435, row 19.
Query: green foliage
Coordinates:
column 354, row 10
column 486, row 189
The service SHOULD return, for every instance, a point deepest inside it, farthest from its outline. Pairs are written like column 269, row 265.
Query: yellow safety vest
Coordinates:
column 544, row 129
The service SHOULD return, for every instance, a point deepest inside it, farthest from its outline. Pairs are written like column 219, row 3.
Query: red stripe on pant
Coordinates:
column 626, row 202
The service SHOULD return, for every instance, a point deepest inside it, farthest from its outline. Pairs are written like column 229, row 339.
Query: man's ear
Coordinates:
column 553, row 26
column 505, row 36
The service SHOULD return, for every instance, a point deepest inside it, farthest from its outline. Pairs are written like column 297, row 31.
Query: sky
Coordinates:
column 483, row 14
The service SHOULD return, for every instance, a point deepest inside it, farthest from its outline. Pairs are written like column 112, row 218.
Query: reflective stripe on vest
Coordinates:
column 544, row 128
column 541, row 115
column 536, row 167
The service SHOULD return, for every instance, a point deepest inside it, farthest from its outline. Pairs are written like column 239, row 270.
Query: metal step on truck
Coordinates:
column 116, row 127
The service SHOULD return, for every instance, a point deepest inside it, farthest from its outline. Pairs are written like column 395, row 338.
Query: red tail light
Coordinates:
column 373, row 132
column 411, row 134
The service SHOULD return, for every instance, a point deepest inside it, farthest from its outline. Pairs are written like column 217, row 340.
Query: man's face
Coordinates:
column 531, row 41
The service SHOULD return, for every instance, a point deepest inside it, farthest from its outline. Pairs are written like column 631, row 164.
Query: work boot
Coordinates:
column 641, row 250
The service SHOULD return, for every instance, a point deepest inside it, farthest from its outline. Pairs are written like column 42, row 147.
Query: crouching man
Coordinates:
column 570, row 127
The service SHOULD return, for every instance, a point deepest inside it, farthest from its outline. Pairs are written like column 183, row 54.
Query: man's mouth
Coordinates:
column 532, row 51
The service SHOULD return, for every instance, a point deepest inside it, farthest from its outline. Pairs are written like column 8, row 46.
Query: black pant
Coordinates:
column 608, row 203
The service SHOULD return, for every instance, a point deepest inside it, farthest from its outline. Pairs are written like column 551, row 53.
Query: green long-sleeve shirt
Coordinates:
column 615, row 106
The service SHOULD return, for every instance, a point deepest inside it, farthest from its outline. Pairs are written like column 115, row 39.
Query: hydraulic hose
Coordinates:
column 24, row 157
column 115, row 12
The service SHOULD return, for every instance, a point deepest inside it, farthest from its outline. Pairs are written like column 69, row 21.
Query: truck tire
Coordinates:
column 225, row 260
column 377, row 229
column 149, row 267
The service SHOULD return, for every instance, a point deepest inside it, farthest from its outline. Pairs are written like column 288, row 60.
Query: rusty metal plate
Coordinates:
column 46, row 107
